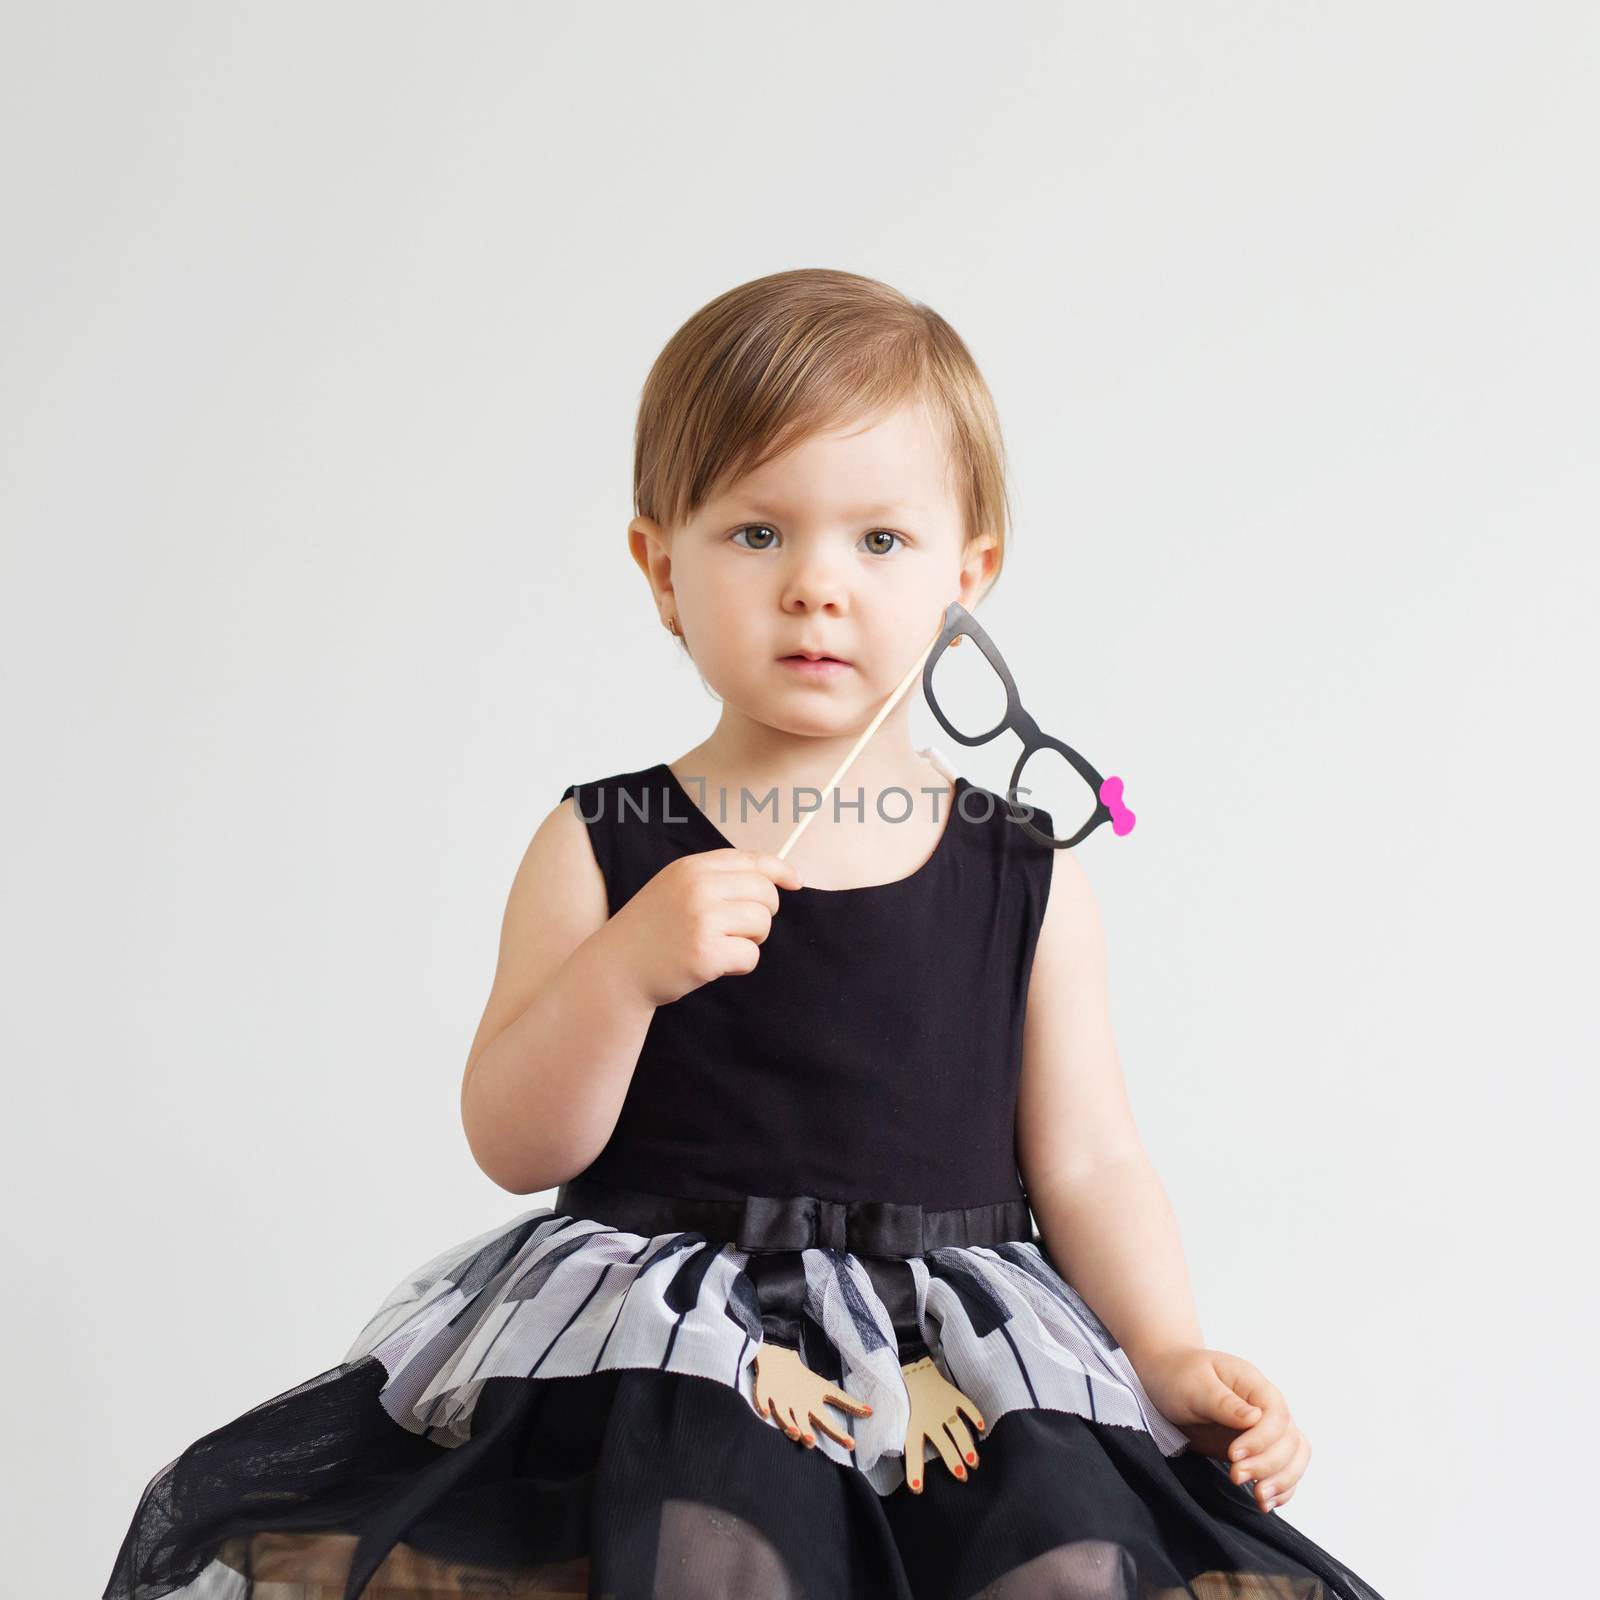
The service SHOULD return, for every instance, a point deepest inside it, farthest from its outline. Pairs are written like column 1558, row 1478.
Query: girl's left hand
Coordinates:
column 1230, row 1411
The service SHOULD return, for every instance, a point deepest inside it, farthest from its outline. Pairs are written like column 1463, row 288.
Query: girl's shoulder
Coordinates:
column 612, row 783
column 996, row 823
column 635, row 826
column 1020, row 867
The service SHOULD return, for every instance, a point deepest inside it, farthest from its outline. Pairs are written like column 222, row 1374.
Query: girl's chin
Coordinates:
column 800, row 715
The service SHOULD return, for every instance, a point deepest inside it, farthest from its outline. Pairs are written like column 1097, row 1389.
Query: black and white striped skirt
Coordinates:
column 565, row 1405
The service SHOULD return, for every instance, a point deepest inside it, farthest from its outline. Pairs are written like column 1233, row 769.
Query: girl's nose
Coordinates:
column 815, row 588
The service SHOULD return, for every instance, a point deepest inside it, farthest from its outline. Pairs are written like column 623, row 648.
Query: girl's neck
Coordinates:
column 728, row 762
column 872, row 834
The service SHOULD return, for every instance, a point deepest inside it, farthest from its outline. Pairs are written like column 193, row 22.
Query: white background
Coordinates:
column 324, row 332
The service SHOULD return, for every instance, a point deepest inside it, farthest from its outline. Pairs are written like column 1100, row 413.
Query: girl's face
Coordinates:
column 849, row 546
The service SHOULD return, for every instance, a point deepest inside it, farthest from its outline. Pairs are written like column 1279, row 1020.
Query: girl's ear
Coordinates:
column 647, row 542
column 977, row 569
column 647, row 539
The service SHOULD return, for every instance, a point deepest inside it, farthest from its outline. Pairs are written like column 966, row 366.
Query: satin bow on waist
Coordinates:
column 897, row 1228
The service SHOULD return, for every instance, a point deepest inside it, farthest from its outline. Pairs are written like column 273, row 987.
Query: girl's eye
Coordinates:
column 767, row 535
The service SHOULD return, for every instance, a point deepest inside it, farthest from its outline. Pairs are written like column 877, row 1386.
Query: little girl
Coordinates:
column 788, row 1329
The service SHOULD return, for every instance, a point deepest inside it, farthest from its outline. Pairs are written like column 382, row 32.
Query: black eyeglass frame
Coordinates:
column 957, row 621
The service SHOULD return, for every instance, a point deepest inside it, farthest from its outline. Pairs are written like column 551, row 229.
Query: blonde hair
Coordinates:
column 777, row 359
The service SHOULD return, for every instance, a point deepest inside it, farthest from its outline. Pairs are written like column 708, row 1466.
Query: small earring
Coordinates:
column 672, row 627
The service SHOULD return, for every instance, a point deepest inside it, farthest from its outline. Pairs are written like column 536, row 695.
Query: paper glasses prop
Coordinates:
column 1106, row 793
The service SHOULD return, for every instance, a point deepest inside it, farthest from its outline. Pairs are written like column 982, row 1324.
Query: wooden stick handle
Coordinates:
column 871, row 728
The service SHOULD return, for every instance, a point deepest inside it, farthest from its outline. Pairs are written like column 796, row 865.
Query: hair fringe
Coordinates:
column 772, row 361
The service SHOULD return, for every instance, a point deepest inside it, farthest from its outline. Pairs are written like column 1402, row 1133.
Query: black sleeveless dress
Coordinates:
column 818, row 1154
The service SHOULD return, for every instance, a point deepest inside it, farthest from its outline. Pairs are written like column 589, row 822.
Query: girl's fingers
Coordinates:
column 763, row 874
column 778, row 868
column 1278, row 1485
column 1222, row 1404
column 1249, row 1385
column 1259, row 1468
column 744, row 919
column 1253, row 1441
column 1265, row 1463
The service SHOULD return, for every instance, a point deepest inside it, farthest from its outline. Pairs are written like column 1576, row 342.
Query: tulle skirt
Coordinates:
column 562, row 1407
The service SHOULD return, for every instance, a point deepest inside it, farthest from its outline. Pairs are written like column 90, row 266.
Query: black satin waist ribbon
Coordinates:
column 893, row 1228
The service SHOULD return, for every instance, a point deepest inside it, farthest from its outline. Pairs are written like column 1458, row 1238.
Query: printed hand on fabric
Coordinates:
column 1230, row 1411
column 936, row 1405
column 786, row 1389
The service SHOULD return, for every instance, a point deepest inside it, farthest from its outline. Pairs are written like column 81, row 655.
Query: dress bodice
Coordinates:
column 875, row 1049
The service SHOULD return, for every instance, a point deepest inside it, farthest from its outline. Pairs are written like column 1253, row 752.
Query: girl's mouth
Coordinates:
column 814, row 667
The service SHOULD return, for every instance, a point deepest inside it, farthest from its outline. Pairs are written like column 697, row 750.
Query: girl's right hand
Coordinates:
column 701, row 917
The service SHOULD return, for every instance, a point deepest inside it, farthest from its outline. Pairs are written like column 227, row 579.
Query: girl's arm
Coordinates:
column 1102, row 1210
column 560, row 1036
column 1104, row 1215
